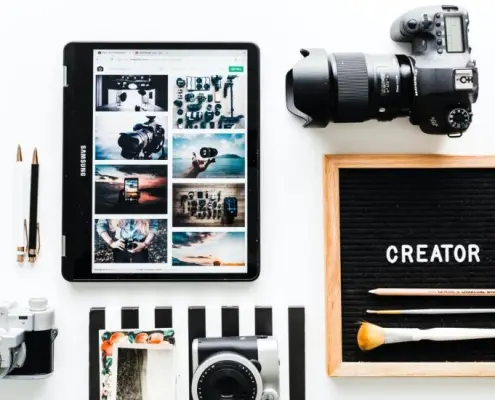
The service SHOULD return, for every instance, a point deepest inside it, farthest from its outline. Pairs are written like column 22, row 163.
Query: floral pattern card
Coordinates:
column 137, row 365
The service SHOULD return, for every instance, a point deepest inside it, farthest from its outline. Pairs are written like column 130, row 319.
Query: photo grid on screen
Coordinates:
column 170, row 173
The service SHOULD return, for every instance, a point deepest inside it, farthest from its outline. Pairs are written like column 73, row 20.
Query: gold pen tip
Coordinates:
column 35, row 156
column 19, row 153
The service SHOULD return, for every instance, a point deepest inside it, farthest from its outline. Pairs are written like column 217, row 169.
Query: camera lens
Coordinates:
column 226, row 376
column 208, row 152
column 132, row 143
column 349, row 87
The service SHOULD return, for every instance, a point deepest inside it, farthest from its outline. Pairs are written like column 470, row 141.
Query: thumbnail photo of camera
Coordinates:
column 130, row 241
column 209, row 102
column 208, row 249
column 230, row 367
column 124, row 136
column 131, row 189
column 209, row 205
column 27, row 338
column 142, row 93
column 199, row 155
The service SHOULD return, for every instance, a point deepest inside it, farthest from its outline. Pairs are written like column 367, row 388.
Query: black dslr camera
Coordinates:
column 435, row 86
column 27, row 337
column 145, row 140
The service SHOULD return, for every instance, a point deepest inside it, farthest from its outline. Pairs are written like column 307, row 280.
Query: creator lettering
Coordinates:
column 440, row 253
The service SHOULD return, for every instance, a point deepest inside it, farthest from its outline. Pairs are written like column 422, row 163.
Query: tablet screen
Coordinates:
column 169, row 170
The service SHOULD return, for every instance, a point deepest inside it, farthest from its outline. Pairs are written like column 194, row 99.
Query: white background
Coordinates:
column 33, row 34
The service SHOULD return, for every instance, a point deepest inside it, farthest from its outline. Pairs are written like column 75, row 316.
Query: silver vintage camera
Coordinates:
column 234, row 368
column 27, row 338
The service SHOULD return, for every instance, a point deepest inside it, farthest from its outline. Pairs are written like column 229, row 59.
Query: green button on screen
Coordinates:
column 236, row 68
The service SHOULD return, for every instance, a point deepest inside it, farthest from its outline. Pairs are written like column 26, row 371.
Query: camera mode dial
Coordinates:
column 459, row 119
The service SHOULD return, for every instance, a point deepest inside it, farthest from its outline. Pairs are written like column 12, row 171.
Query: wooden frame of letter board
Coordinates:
column 335, row 365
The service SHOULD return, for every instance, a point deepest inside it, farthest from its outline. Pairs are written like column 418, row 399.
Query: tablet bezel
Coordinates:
column 77, row 218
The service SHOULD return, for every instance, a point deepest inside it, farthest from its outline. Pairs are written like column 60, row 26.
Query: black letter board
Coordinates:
column 408, row 222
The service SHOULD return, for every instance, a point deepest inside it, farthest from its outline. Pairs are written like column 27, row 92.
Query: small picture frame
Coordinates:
column 138, row 364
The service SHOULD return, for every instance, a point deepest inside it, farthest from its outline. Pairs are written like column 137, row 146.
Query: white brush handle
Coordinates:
column 400, row 335
column 446, row 334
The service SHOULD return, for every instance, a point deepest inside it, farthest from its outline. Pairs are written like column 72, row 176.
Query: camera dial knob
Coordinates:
column 269, row 394
column 459, row 119
column 38, row 304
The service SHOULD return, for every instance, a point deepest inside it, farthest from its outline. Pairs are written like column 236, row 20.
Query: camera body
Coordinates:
column 129, row 244
column 208, row 152
column 146, row 139
column 27, row 338
column 235, row 368
column 230, row 209
column 444, row 75
column 435, row 86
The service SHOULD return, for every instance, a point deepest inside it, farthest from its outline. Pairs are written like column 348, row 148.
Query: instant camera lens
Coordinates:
column 226, row 376
column 208, row 152
column 349, row 87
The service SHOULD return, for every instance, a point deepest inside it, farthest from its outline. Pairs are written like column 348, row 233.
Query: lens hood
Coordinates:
column 308, row 88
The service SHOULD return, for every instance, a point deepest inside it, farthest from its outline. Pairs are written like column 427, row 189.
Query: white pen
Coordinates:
column 21, row 223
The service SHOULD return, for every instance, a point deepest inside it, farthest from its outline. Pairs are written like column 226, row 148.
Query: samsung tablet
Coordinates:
column 161, row 162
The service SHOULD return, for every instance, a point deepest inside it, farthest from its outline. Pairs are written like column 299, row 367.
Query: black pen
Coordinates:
column 33, row 209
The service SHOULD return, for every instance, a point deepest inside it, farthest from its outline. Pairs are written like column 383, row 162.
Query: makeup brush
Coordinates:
column 434, row 311
column 371, row 336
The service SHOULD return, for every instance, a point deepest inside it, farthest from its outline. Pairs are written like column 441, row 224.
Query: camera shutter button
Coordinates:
column 412, row 24
column 38, row 304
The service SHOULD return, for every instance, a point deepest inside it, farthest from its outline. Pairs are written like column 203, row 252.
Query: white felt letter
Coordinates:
column 473, row 251
column 447, row 253
column 407, row 253
column 436, row 255
column 421, row 250
column 392, row 259
column 462, row 256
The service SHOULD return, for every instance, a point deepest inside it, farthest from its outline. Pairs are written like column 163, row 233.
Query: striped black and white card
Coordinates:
column 286, row 324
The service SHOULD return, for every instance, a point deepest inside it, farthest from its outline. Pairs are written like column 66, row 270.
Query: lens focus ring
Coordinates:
column 352, row 86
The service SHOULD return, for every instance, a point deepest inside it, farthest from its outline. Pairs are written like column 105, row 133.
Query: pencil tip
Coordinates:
column 19, row 153
column 371, row 311
column 372, row 291
column 35, row 156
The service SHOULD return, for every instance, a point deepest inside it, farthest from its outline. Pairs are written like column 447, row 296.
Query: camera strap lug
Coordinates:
column 455, row 135
column 4, row 316
column 54, row 334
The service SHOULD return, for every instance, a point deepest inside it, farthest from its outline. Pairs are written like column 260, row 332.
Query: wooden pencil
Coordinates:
column 433, row 292
column 434, row 311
